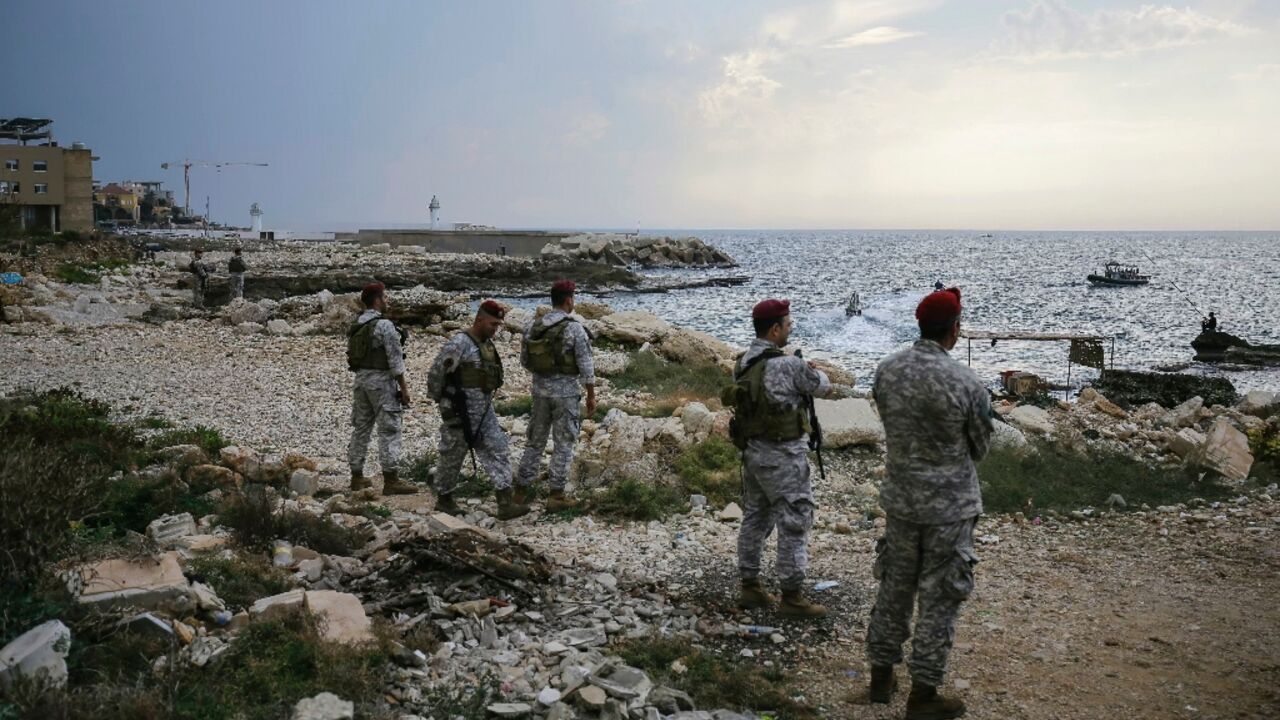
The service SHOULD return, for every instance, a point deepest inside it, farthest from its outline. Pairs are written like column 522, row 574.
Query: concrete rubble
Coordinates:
column 38, row 655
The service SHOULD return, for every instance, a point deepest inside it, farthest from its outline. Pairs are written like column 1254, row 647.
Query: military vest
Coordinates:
column 236, row 265
column 489, row 376
column 364, row 352
column 545, row 346
column 754, row 415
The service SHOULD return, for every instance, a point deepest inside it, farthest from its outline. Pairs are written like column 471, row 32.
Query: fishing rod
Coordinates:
column 1184, row 294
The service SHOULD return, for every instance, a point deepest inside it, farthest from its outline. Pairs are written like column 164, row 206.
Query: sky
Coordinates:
column 1014, row 114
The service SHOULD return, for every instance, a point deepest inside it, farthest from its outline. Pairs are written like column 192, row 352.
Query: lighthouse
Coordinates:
column 435, row 211
column 255, row 215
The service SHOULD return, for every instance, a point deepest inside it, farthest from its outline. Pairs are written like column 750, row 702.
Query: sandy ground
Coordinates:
column 1153, row 615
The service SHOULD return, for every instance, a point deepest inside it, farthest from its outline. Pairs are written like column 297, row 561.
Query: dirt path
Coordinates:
column 1110, row 621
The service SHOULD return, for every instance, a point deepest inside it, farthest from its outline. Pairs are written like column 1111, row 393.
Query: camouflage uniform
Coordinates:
column 198, row 284
column 492, row 447
column 376, row 400
column 556, row 408
column 937, row 418
column 775, row 478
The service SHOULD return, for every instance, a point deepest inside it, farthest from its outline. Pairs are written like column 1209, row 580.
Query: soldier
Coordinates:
column 201, row 273
column 379, row 393
column 236, row 268
column 557, row 351
column 461, row 381
column 937, row 418
column 770, row 425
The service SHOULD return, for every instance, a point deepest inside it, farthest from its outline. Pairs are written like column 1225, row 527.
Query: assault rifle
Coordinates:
column 458, row 401
column 815, row 432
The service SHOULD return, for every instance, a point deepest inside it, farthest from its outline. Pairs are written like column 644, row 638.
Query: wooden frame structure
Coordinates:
column 971, row 335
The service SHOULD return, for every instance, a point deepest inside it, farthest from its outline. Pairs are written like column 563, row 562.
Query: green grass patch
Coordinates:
column 155, row 422
column 1061, row 480
column 473, row 483
column 713, row 681
column 713, row 468
column 631, row 499
column 671, row 381
column 206, row 438
column 132, row 502
column 242, row 579
column 86, row 273
column 514, row 407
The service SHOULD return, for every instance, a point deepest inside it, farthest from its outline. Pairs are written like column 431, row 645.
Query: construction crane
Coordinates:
column 186, row 176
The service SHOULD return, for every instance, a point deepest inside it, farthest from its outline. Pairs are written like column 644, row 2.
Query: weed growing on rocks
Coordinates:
column 672, row 381
column 711, row 468
column 631, row 499
column 240, row 580
column 255, row 524
column 514, row 407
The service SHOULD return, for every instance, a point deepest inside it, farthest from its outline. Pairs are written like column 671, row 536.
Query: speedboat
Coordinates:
column 1114, row 273
column 854, row 306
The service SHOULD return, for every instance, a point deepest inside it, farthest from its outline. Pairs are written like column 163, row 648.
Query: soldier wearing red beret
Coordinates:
column 770, row 425
column 462, row 380
column 379, row 393
column 937, row 421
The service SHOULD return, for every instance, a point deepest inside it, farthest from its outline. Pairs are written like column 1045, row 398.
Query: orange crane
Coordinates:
column 186, row 176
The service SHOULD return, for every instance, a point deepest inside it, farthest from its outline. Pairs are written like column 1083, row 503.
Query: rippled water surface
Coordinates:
column 1010, row 281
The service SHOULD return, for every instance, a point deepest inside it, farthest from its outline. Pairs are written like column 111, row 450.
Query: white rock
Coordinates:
column 279, row 327
column 1186, row 413
column 731, row 513
column 1226, row 451
column 325, row 706
column 249, row 328
column 1259, row 403
column 304, row 482
column 1006, row 437
column 549, row 696
column 849, row 422
column 38, row 655
column 697, row 419
column 168, row 529
column 1185, row 442
column 1030, row 418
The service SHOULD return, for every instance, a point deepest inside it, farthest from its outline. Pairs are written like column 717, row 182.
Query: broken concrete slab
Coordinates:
column 344, row 618
column 1226, row 451
column 38, row 655
column 848, row 422
column 1185, row 443
column 149, row 583
column 510, row 710
column 731, row 513
column 592, row 697
column 1259, row 403
column 304, row 482
column 325, row 706
column 167, row 530
column 623, row 682
column 277, row 605
column 1185, row 414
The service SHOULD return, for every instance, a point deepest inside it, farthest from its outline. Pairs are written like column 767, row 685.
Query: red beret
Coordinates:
column 770, row 309
column 939, row 308
column 494, row 308
column 564, row 286
column 371, row 291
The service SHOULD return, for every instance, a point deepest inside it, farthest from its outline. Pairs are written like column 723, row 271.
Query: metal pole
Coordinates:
column 970, row 343
column 1066, row 394
column 1113, row 352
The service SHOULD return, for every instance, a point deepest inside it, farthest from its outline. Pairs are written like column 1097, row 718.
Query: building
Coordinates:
column 118, row 204
column 51, row 186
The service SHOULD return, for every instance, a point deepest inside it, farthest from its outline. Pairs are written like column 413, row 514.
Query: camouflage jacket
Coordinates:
column 577, row 343
column 458, row 350
column 788, row 381
column 937, row 423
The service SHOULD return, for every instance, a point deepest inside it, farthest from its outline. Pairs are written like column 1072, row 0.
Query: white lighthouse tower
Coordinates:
column 435, row 212
column 255, row 214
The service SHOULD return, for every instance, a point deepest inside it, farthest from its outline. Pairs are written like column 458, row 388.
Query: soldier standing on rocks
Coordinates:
column 201, row 279
column 937, row 419
column 462, row 380
column 557, row 351
column 236, row 268
column 770, row 425
column 379, row 392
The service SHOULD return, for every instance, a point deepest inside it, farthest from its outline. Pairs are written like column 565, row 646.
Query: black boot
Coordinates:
column 883, row 684
column 446, row 504
column 924, row 703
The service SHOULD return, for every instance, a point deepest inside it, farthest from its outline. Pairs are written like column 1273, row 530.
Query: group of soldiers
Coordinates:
column 199, row 270
column 937, row 417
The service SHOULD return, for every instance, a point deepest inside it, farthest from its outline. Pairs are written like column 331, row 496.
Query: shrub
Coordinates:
column 1264, row 443
column 672, row 381
column 207, row 438
column 132, row 502
column 632, row 499
column 713, row 681
column 711, row 468
column 255, row 524
column 240, row 580
column 1052, row 478
column 514, row 407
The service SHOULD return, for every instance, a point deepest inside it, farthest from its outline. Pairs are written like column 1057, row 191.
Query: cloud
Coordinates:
column 744, row 82
column 875, row 36
column 1050, row 30
column 586, row 129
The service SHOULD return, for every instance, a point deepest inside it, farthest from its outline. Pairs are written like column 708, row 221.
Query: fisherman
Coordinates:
column 379, row 393
column 1210, row 324
column 462, row 380
column 937, row 285
column 557, row 350
column 201, row 279
column 937, row 419
column 236, row 268
column 770, row 425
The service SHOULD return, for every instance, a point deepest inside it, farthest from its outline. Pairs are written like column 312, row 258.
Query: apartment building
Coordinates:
column 51, row 186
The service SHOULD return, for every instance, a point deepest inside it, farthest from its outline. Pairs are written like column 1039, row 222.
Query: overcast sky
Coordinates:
column 1010, row 114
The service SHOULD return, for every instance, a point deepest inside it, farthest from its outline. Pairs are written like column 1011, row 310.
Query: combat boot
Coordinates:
column 557, row 502
column 883, row 684
column 446, row 504
column 393, row 485
column 521, row 495
column 754, row 595
column 924, row 703
column 507, row 507
column 794, row 604
column 360, row 482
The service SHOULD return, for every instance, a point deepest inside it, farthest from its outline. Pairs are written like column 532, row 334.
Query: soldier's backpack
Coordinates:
column 363, row 353
column 236, row 265
column 547, row 355
column 754, row 416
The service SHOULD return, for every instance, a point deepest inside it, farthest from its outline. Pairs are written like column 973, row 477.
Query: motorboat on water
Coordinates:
column 1114, row 273
column 854, row 306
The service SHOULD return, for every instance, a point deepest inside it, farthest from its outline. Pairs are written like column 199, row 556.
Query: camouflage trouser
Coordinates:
column 197, row 294
column 557, row 416
column 492, row 452
column 237, row 285
column 776, row 493
column 936, row 563
column 374, row 402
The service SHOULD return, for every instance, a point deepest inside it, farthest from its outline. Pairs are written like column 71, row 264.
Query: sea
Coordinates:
column 1030, row 281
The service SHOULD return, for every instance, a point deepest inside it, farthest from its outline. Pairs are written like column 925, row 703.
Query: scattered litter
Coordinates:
column 826, row 584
